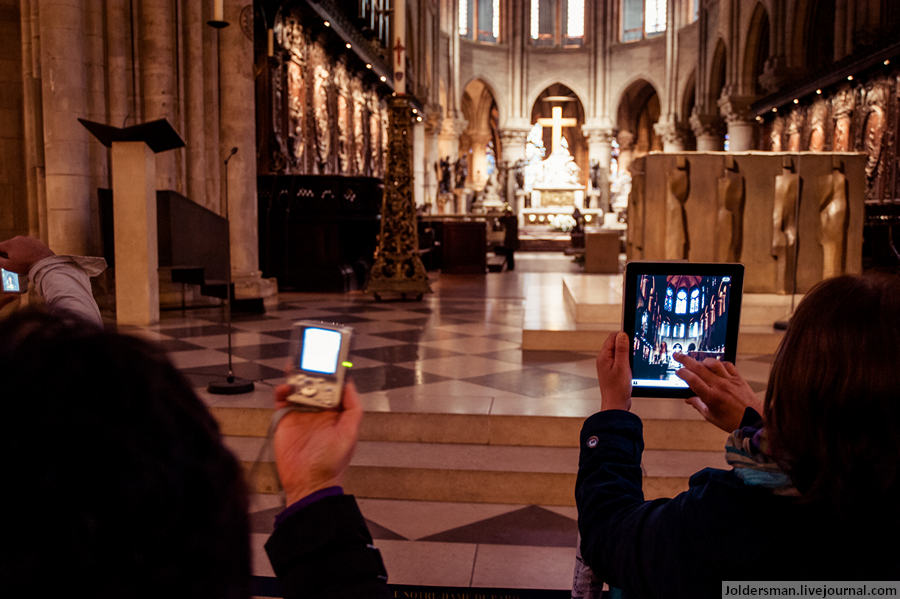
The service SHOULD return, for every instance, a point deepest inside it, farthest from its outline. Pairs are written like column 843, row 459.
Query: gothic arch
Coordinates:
column 573, row 135
column 686, row 108
column 638, row 110
column 756, row 50
column 539, row 88
column 718, row 73
column 480, row 142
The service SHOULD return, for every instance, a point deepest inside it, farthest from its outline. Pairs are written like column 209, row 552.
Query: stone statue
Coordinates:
column 775, row 134
column 341, row 84
column 519, row 170
column 321, row 78
column 833, row 219
column 730, row 217
column 462, row 171
column 817, row 116
column 876, row 101
column 446, row 178
column 842, row 105
column 784, row 225
column 795, row 128
column 677, row 239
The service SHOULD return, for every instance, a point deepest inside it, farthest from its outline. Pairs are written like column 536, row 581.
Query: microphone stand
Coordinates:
column 231, row 385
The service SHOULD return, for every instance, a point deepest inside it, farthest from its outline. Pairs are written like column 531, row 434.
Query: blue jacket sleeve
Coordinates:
column 627, row 542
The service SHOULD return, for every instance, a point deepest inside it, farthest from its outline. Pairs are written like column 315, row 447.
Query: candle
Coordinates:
column 218, row 10
column 399, row 46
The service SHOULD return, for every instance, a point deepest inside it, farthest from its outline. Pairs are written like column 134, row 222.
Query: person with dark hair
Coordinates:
column 815, row 476
column 122, row 486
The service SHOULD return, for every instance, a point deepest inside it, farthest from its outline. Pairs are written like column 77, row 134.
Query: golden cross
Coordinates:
column 557, row 123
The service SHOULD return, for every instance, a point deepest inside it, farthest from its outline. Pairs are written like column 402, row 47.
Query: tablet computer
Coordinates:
column 672, row 307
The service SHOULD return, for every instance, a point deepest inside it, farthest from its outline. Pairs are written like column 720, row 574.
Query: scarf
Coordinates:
column 747, row 451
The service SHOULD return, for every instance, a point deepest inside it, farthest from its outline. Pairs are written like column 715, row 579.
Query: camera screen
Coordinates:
column 677, row 314
column 10, row 281
column 321, row 350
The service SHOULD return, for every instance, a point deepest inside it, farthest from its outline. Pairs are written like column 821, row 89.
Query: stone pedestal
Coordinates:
column 601, row 252
column 134, row 208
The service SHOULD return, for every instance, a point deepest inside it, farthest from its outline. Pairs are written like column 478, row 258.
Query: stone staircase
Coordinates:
column 489, row 458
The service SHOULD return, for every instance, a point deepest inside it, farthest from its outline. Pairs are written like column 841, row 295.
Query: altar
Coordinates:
column 557, row 189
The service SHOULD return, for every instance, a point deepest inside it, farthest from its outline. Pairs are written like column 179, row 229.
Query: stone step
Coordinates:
column 668, row 425
column 478, row 473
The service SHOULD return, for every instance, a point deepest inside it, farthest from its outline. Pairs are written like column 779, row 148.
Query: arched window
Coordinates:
column 665, row 329
column 669, row 293
column 479, row 20
column 557, row 22
column 681, row 302
column 695, row 300
column 642, row 18
column 695, row 329
column 679, row 330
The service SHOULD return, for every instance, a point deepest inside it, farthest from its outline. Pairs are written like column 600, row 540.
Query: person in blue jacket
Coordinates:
column 814, row 487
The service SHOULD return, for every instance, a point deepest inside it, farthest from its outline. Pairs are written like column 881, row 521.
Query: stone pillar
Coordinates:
column 432, row 155
column 512, row 146
column 625, row 140
column 158, row 85
column 194, row 102
column 65, row 142
column 418, row 162
column 741, row 127
column 448, row 139
column 672, row 135
column 238, row 130
column 136, row 251
column 707, row 129
column 599, row 140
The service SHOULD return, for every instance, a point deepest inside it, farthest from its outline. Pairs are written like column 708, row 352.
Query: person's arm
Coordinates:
column 627, row 542
column 60, row 280
column 321, row 546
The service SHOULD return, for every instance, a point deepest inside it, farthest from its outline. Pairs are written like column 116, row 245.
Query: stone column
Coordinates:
column 512, row 145
column 741, row 127
column 672, row 135
column 238, row 130
column 448, row 139
column 194, row 102
column 158, row 85
column 65, row 141
column 432, row 155
column 599, row 140
column 707, row 129
column 625, row 140
column 418, row 161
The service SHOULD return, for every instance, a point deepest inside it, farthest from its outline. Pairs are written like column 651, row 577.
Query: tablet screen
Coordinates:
column 678, row 313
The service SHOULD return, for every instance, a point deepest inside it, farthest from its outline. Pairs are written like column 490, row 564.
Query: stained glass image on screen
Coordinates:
column 10, row 281
column 321, row 349
column 677, row 314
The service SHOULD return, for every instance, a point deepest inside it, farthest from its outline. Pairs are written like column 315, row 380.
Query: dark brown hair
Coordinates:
column 832, row 407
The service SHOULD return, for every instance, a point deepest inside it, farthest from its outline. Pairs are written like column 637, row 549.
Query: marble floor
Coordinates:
column 458, row 351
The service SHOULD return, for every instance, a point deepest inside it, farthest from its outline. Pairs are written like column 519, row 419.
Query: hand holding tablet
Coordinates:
column 679, row 308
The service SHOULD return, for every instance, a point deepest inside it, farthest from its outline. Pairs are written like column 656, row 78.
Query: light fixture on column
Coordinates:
column 218, row 19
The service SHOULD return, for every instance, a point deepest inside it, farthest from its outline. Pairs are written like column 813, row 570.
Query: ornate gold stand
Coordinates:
column 398, row 267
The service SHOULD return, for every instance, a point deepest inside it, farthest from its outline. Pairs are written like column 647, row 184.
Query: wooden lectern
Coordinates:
column 133, row 166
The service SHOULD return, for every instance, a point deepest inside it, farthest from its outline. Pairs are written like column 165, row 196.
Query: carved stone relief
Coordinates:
column 784, row 225
column 730, row 217
column 842, row 104
column 375, row 134
column 295, row 43
column 341, row 84
column 795, row 128
column 359, row 140
column 635, row 211
column 817, row 117
column 677, row 240
column 833, row 219
column 875, row 104
column 321, row 84
column 776, row 133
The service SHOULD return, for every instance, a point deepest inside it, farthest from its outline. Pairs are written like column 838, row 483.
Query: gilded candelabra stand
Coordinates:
column 398, row 269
